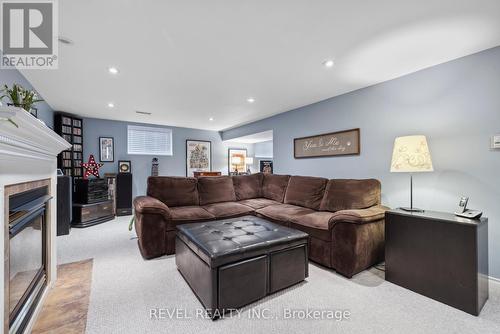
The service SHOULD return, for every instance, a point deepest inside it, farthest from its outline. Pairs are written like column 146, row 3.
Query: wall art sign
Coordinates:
column 327, row 145
column 198, row 156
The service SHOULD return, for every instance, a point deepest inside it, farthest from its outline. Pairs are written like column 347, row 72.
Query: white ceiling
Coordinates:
column 254, row 138
column 186, row 61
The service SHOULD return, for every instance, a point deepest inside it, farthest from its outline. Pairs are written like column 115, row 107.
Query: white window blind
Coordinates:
column 149, row 140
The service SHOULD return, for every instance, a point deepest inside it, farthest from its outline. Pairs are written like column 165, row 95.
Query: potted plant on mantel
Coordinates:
column 20, row 97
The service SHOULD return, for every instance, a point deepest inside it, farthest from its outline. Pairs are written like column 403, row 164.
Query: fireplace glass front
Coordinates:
column 27, row 257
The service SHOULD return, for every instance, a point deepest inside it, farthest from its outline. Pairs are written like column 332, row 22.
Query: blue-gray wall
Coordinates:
column 141, row 164
column 264, row 149
column 456, row 105
column 11, row 76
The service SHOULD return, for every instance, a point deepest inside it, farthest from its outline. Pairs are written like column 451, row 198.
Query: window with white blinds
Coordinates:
column 148, row 140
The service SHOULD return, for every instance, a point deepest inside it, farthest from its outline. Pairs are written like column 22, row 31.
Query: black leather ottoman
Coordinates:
column 233, row 262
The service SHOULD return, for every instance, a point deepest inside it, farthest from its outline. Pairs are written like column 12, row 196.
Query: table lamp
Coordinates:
column 249, row 162
column 411, row 155
column 235, row 161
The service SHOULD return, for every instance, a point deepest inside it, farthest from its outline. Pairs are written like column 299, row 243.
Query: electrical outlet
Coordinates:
column 495, row 141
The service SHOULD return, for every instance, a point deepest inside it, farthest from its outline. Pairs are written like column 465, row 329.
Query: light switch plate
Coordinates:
column 495, row 141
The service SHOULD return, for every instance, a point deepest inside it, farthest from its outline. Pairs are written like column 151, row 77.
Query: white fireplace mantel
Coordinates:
column 28, row 152
column 31, row 139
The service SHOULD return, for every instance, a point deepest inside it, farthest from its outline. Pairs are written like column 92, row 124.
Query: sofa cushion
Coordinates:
column 360, row 215
column 274, row 186
column 173, row 191
column 324, row 235
column 306, row 191
column 247, row 186
column 228, row 209
column 316, row 224
column 216, row 189
column 283, row 212
column 350, row 194
column 187, row 214
column 318, row 220
column 258, row 203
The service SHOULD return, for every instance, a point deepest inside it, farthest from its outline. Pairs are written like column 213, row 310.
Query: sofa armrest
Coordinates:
column 359, row 216
column 150, row 205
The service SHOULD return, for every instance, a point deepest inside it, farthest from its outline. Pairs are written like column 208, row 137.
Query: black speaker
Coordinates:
column 123, row 194
column 64, row 206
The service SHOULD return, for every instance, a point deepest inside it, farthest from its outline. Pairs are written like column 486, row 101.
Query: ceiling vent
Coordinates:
column 65, row 40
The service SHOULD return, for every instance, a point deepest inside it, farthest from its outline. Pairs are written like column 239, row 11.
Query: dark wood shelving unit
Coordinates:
column 71, row 129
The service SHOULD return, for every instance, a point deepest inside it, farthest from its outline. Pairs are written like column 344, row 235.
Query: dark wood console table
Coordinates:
column 438, row 255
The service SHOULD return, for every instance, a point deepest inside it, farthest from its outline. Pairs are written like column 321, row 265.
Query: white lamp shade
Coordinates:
column 249, row 160
column 236, row 160
column 411, row 154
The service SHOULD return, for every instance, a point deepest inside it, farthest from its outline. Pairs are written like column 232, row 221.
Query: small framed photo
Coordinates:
column 266, row 166
column 106, row 149
column 124, row 166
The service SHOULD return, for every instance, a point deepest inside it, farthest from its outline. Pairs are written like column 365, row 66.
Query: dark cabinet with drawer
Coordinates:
column 91, row 214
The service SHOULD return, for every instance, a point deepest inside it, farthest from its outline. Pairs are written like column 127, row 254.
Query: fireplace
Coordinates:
column 28, row 161
column 27, row 261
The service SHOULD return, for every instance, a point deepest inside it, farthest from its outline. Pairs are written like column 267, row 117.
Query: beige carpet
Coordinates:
column 125, row 288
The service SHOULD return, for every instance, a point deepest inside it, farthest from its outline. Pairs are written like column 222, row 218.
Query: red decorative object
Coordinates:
column 91, row 168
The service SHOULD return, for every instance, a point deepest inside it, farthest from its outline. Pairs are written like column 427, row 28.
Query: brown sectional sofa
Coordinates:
column 344, row 218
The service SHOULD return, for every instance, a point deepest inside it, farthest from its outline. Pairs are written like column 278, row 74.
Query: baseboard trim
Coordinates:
column 494, row 279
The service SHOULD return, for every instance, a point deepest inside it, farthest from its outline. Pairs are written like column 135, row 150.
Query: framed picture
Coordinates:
column 236, row 160
column 266, row 166
column 327, row 145
column 106, row 149
column 124, row 166
column 198, row 156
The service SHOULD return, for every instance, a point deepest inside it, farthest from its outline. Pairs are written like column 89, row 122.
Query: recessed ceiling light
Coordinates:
column 250, row 100
column 111, row 105
column 113, row 70
column 142, row 112
column 329, row 63
column 211, row 119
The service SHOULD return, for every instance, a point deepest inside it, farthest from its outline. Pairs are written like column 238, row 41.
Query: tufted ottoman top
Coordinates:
column 225, row 241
